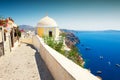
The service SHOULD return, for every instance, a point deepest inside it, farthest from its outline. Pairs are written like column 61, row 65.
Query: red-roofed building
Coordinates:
column 22, row 30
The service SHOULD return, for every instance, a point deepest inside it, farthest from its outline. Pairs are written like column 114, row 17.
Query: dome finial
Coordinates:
column 46, row 14
column 47, row 22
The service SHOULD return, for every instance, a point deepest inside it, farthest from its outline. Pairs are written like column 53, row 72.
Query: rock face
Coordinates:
column 71, row 39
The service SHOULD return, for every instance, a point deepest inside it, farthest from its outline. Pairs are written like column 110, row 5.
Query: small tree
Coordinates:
column 57, row 45
column 18, row 32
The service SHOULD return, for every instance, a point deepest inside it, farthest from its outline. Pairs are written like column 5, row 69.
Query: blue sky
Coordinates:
column 69, row 14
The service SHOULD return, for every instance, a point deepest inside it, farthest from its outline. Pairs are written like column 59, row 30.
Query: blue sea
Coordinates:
column 103, row 52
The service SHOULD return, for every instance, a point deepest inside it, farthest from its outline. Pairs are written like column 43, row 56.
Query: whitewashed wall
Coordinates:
column 0, row 36
column 60, row 67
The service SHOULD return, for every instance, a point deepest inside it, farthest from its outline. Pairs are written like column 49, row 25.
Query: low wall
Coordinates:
column 60, row 67
column 26, row 40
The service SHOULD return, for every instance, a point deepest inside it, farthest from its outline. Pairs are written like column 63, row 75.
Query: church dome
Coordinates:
column 47, row 22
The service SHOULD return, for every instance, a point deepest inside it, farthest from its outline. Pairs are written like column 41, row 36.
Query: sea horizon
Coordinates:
column 91, row 30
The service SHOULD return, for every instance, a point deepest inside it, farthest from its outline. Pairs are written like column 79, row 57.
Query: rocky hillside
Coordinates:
column 26, row 27
column 70, row 39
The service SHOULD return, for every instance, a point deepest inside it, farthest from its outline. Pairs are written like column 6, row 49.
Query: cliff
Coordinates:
column 70, row 41
column 70, row 38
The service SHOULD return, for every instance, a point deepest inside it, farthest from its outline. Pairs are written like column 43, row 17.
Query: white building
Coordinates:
column 48, row 27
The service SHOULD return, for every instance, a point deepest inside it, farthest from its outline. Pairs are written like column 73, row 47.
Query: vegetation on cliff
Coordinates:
column 73, row 54
column 58, row 46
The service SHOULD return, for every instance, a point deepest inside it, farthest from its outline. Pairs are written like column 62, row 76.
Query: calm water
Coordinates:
column 105, row 44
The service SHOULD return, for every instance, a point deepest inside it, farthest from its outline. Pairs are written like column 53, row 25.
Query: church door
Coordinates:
column 50, row 33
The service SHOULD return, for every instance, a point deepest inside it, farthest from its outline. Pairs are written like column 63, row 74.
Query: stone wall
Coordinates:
column 60, row 67
column 26, row 40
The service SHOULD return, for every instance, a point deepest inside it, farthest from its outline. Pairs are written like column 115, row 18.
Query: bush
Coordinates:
column 19, row 33
column 54, row 44
column 58, row 45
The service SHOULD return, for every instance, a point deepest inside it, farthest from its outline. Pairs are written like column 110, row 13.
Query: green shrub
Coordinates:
column 58, row 45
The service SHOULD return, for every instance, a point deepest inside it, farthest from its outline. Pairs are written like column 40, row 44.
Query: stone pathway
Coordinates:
column 23, row 63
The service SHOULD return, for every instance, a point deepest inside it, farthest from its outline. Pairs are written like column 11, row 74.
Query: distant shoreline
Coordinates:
column 90, row 30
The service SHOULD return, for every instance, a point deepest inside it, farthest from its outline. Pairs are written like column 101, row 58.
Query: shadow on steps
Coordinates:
column 44, row 73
